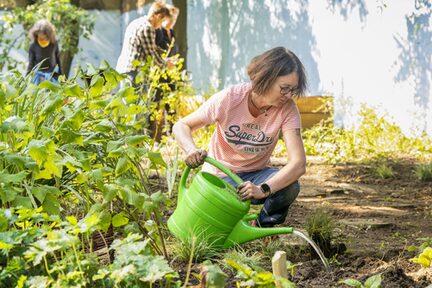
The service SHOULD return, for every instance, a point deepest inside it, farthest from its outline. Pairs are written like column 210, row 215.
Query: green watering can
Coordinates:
column 211, row 210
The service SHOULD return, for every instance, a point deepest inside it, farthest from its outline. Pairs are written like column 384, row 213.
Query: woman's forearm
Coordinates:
column 183, row 136
column 287, row 175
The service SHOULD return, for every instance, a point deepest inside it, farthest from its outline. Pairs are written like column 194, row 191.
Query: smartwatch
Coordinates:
column 265, row 188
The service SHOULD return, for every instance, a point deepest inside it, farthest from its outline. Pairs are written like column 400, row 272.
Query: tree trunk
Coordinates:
column 180, row 29
column 66, row 57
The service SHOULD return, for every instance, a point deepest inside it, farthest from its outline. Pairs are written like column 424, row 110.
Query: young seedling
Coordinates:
column 372, row 282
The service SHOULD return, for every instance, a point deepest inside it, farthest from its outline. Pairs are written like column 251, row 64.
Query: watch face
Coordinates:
column 265, row 188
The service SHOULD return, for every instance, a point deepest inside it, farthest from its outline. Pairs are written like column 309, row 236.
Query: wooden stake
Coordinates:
column 279, row 266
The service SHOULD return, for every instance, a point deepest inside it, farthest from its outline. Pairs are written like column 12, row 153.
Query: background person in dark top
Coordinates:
column 44, row 51
column 165, row 37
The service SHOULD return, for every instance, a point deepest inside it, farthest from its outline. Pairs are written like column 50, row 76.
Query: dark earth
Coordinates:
column 376, row 220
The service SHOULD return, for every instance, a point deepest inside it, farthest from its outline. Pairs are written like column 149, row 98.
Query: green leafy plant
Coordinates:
column 243, row 257
column 425, row 252
column 424, row 172
column 211, row 275
column 383, row 171
column 372, row 282
column 374, row 137
column 251, row 278
column 192, row 248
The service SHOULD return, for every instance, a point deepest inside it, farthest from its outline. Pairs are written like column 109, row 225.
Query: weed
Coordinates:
column 383, row 171
column 243, row 257
column 320, row 226
column 190, row 248
column 424, row 172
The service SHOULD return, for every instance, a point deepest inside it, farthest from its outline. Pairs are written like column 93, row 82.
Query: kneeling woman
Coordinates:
column 249, row 118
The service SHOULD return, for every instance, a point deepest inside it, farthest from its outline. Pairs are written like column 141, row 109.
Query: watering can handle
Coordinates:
column 220, row 166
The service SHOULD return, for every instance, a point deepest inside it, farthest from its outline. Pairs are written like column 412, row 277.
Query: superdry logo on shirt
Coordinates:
column 256, row 137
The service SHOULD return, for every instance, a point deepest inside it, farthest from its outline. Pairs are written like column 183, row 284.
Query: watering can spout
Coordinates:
column 244, row 232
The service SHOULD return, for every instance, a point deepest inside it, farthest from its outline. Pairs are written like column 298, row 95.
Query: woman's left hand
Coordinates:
column 248, row 190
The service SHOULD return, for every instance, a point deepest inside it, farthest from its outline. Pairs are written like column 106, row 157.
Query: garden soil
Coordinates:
column 376, row 220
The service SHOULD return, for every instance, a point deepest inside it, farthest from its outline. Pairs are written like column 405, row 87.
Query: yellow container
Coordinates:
column 314, row 109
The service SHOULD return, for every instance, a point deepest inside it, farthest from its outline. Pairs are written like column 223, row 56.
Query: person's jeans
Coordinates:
column 41, row 76
column 276, row 206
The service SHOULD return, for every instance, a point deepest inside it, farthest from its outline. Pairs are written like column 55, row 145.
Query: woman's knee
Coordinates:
column 288, row 194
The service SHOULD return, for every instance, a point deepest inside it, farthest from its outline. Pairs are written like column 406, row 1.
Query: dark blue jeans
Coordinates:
column 276, row 206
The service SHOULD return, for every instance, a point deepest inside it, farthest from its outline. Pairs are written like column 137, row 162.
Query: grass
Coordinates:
column 383, row 171
column 239, row 255
column 424, row 172
column 320, row 226
column 195, row 247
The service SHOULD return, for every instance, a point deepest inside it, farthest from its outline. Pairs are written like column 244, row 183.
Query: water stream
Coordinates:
column 317, row 249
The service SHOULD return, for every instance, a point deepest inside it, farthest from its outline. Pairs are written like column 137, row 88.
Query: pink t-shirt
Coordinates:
column 241, row 141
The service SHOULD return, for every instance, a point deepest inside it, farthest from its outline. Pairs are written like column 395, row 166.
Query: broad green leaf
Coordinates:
column 5, row 246
column 352, row 282
column 52, row 105
column 40, row 192
column 51, row 205
column 156, row 158
column 99, row 104
column 18, row 160
column 12, row 178
column 10, row 91
column 21, row 281
column 104, row 126
column 69, row 136
column 43, row 174
column 427, row 252
column 75, row 120
column 49, row 86
column 4, row 223
column 38, row 151
column 72, row 220
column 136, row 139
column 373, row 281
column 73, row 90
column 215, row 277
column 22, row 201
column 131, row 197
column 109, row 192
column 113, row 145
column 120, row 219
column 96, row 85
column 123, row 165
column 104, row 220
column 53, row 168
column 116, row 152
column 14, row 124
column 128, row 94
column 7, row 193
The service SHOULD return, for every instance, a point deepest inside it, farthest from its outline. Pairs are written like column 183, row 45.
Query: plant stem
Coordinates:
column 190, row 263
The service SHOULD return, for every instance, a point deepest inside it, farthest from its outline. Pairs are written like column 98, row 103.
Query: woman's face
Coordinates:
column 282, row 89
column 42, row 36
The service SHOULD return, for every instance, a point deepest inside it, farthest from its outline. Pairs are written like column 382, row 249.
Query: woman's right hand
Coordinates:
column 196, row 158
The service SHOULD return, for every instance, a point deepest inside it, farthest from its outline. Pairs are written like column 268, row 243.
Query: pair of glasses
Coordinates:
column 288, row 90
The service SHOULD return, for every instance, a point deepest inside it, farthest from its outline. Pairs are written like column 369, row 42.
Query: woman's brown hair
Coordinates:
column 265, row 68
column 43, row 26
column 159, row 7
